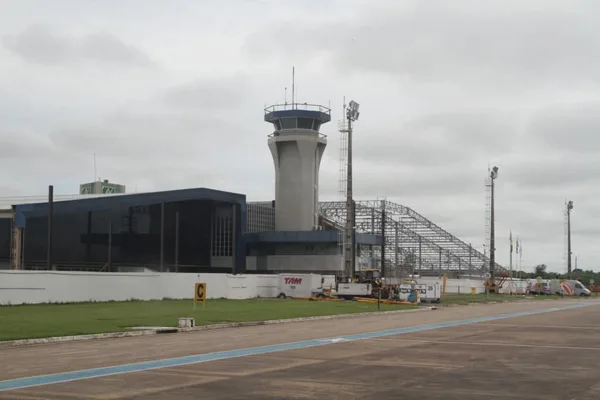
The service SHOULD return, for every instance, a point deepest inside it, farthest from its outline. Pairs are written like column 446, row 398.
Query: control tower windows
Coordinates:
column 288, row 123
column 305, row 123
column 296, row 123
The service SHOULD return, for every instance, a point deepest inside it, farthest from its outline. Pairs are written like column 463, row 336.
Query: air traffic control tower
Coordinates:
column 297, row 147
column 299, row 240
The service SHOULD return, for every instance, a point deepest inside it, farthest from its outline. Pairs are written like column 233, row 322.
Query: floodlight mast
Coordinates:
column 492, row 283
column 569, row 208
column 350, row 250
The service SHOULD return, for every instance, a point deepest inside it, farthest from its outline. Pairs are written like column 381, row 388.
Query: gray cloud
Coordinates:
column 570, row 128
column 39, row 44
column 556, row 170
column 223, row 92
column 472, row 42
column 439, row 139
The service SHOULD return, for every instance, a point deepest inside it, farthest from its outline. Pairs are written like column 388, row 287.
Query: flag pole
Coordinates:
column 521, row 258
column 517, row 258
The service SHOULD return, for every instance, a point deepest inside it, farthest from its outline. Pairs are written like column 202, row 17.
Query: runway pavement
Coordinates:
column 535, row 350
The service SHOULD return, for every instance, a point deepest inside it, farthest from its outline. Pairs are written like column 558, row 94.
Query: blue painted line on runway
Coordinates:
column 63, row 377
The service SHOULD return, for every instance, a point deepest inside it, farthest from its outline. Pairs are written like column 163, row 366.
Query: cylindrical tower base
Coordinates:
column 297, row 157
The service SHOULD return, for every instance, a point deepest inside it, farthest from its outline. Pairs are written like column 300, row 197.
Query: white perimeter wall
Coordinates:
column 20, row 287
column 453, row 286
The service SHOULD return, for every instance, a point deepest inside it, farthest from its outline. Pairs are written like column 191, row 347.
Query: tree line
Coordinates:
column 541, row 270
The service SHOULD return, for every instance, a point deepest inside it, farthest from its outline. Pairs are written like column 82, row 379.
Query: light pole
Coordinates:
column 569, row 208
column 493, row 177
column 349, row 256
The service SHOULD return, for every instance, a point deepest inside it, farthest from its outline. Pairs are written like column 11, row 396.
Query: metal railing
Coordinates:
column 283, row 133
column 298, row 106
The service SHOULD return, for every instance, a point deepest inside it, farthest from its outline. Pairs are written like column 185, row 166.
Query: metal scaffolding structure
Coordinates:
column 413, row 244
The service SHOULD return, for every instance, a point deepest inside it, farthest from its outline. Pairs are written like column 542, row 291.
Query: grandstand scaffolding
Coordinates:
column 413, row 244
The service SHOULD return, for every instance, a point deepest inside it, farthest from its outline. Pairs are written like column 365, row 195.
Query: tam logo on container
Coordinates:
column 292, row 281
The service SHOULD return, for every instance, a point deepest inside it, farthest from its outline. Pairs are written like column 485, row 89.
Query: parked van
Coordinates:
column 572, row 287
column 566, row 287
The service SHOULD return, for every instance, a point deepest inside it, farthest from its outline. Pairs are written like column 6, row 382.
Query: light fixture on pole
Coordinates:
column 492, row 283
column 349, row 254
column 569, row 208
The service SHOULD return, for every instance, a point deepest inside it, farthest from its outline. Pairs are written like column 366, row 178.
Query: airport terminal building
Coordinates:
column 188, row 230
column 207, row 230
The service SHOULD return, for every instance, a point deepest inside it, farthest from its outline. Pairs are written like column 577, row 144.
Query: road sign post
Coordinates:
column 539, row 285
column 200, row 293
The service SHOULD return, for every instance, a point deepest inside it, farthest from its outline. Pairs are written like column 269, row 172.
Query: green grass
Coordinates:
column 46, row 320
column 482, row 298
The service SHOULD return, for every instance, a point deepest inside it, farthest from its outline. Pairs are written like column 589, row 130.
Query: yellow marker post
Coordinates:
column 200, row 293
column 444, row 281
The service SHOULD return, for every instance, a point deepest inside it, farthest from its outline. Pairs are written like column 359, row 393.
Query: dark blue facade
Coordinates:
column 81, row 229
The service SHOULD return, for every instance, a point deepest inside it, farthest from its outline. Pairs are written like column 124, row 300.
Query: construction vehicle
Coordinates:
column 367, row 276
column 494, row 285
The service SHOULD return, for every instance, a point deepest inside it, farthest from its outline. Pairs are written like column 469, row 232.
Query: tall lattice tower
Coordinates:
column 343, row 171
column 488, row 213
column 566, row 238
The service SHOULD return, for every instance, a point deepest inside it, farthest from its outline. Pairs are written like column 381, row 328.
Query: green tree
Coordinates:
column 540, row 270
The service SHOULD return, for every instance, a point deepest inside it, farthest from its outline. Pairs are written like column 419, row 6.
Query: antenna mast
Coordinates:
column 95, row 169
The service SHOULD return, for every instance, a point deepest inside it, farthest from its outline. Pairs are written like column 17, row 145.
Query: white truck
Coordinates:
column 300, row 285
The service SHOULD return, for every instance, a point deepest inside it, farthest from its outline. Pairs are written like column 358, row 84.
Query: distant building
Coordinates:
column 101, row 187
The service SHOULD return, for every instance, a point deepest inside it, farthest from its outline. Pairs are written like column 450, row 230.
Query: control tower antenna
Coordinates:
column 297, row 148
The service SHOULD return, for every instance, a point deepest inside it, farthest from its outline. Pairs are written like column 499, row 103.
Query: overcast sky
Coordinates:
column 171, row 95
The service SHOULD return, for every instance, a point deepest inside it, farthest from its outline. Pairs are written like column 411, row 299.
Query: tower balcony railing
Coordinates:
column 284, row 133
column 298, row 106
